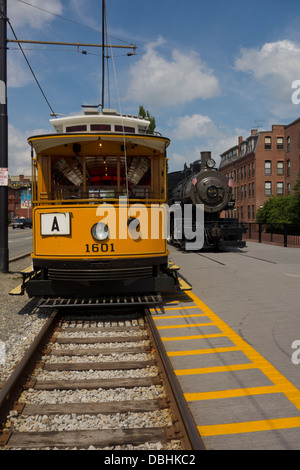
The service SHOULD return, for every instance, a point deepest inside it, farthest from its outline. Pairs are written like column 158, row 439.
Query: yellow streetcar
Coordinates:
column 99, row 214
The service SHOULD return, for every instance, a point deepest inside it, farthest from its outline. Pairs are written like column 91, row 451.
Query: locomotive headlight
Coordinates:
column 210, row 163
column 100, row 231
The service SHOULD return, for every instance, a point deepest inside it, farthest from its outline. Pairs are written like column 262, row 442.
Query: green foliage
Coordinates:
column 279, row 210
column 144, row 114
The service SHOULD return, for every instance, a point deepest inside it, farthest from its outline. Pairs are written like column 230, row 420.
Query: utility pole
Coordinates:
column 3, row 141
column 4, row 263
column 103, row 48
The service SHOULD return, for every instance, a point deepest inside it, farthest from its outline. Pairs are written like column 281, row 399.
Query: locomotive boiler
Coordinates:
column 202, row 184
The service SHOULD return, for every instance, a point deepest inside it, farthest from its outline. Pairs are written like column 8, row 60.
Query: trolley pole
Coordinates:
column 3, row 141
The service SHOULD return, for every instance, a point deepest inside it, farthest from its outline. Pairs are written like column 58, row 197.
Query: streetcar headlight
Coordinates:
column 100, row 231
column 134, row 228
column 133, row 223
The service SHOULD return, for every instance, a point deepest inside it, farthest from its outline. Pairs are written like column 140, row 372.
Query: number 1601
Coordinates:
column 104, row 248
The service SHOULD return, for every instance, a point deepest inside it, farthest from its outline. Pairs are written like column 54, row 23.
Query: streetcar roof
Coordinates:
column 106, row 126
column 48, row 141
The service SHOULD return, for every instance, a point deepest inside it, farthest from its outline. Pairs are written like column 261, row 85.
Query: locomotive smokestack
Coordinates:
column 204, row 157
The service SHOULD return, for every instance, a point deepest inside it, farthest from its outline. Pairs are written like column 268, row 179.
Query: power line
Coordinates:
column 69, row 20
column 27, row 61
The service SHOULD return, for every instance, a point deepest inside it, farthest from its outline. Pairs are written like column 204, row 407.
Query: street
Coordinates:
column 19, row 242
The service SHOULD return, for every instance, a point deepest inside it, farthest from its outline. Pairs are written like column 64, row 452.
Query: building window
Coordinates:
column 279, row 168
column 242, row 192
column 279, row 143
column 251, row 145
column 249, row 189
column 245, row 190
column 242, row 173
column 288, row 167
column 253, row 189
column 268, row 143
column 268, row 188
column 288, row 144
column 279, row 188
column 288, row 187
column 253, row 169
column 249, row 212
column 268, row 167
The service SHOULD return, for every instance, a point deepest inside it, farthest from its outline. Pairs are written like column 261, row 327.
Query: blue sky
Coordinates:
column 208, row 71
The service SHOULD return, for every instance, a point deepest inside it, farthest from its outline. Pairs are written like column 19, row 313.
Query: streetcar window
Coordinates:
column 75, row 128
column 125, row 129
column 100, row 127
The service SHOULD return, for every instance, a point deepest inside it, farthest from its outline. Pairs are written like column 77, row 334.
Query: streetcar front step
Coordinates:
column 110, row 301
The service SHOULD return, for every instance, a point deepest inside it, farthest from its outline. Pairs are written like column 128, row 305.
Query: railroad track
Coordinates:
column 95, row 382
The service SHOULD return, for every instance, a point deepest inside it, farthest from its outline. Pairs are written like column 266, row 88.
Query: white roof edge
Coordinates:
column 108, row 116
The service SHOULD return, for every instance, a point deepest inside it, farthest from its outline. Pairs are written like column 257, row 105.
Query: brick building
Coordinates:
column 19, row 197
column 262, row 165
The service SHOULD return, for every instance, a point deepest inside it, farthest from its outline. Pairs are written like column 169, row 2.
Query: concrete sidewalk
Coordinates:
column 256, row 291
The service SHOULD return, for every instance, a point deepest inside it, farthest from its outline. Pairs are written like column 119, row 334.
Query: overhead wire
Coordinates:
column 120, row 109
column 72, row 21
column 27, row 61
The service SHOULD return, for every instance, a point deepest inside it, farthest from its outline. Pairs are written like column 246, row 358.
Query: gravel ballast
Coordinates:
column 20, row 321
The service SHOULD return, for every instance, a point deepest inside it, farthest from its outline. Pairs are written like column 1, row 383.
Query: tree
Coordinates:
column 279, row 210
column 144, row 114
column 297, row 197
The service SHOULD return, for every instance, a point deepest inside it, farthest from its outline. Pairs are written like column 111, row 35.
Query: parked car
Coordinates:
column 22, row 223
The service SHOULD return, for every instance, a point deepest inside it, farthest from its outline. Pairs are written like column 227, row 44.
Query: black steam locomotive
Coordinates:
column 202, row 183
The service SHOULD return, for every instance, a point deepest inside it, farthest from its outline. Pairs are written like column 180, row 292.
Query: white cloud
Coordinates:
column 276, row 65
column 156, row 80
column 188, row 127
column 17, row 71
column 19, row 152
column 197, row 133
column 21, row 14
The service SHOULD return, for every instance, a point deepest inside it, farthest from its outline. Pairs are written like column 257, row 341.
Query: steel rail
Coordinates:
column 192, row 432
column 13, row 386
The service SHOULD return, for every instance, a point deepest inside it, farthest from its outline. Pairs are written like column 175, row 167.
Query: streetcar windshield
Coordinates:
column 97, row 177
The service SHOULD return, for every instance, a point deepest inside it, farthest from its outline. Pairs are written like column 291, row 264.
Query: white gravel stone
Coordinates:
column 92, row 396
column 96, row 374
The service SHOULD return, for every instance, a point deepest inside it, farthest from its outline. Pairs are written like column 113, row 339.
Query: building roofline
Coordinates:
column 292, row 123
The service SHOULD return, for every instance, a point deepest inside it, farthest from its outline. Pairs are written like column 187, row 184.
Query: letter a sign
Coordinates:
column 57, row 223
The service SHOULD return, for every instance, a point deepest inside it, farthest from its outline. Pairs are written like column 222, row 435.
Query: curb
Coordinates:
column 17, row 258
